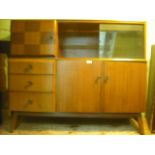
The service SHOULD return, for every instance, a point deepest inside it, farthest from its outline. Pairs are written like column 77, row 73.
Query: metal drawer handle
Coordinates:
column 29, row 84
column 28, row 68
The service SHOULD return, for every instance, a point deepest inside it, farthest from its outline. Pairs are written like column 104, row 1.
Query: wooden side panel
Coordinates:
column 151, row 92
column 78, row 88
column 124, row 91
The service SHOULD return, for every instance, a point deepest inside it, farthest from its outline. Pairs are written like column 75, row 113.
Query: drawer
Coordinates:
column 31, row 102
column 35, row 83
column 31, row 66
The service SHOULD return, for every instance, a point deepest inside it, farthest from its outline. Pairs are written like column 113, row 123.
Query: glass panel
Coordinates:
column 121, row 41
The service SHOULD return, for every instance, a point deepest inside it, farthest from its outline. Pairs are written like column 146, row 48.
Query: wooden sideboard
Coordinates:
column 77, row 68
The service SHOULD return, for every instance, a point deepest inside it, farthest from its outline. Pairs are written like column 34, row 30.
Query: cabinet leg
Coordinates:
column 134, row 123
column 143, row 125
column 15, row 118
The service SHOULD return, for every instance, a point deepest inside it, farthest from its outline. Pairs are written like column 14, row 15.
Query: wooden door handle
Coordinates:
column 98, row 78
column 104, row 78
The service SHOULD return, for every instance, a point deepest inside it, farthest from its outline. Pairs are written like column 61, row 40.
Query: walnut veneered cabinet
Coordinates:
column 74, row 68
column 97, row 86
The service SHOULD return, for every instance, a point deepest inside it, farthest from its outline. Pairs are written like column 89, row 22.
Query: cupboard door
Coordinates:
column 78, row 87
column 33, row 37
column 124, row 89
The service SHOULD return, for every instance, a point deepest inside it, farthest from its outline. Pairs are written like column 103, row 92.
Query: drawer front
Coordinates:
column 31, row 102
column 31, row 66
column 40, row 83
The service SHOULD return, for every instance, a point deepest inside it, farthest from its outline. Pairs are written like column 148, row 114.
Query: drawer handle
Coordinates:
column 50, row 37
column 28, row 102
column 28, row 68
column 29, row 84
column 99, row 78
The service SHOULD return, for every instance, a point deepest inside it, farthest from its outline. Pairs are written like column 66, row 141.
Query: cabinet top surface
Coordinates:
column 84, row 21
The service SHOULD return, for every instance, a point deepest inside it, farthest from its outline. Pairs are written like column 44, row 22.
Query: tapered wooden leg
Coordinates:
column 14, row 121
column 143, row 125
column 134, row 123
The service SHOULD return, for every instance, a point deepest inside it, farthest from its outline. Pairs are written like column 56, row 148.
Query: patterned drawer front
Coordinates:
column 41, row 83
column 31, row 66
column 31, row 102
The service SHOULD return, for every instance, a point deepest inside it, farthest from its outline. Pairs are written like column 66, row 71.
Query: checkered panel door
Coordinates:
column 32, row 37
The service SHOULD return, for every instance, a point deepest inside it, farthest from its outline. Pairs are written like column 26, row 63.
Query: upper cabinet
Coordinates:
column 34, row 37
column 102, row 39
column 78, row 39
